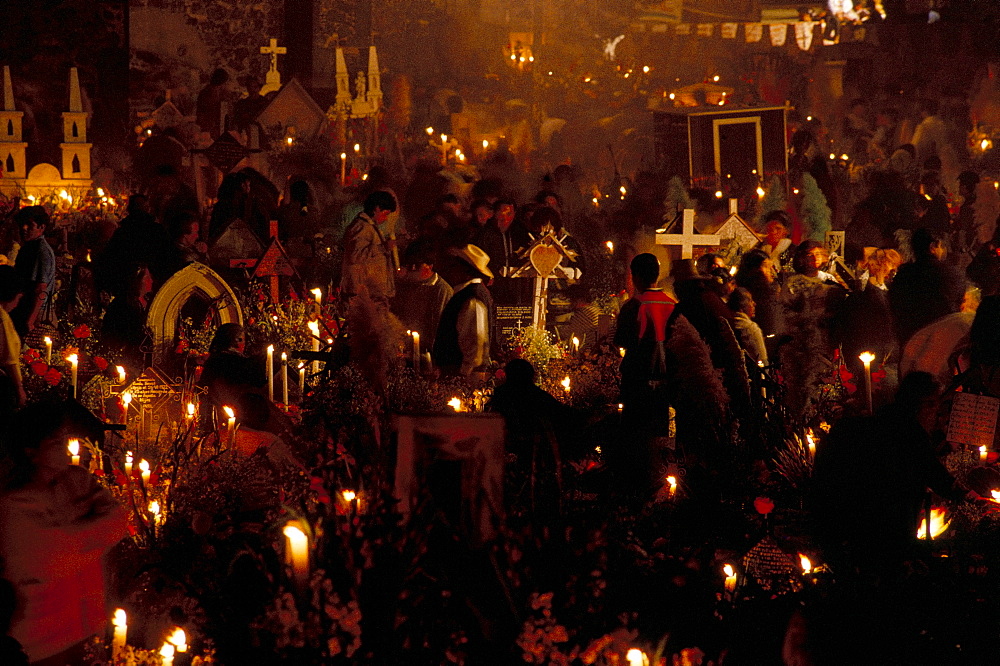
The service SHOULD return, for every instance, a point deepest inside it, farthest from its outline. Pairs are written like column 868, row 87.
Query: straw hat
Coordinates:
column 475, row 257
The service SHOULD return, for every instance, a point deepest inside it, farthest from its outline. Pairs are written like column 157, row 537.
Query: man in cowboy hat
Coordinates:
column 465, row 329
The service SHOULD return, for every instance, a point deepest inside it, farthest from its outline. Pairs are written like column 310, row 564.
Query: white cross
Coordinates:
column 688, row 239
column 274, row 51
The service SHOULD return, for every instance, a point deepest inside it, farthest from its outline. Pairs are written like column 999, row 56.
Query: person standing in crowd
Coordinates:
column 756, row 275
column 12, row 393
column 36, row 268
column 367, row 264
column 421, row 294
column 462, row 344
column 746, row 329
column 776, row 244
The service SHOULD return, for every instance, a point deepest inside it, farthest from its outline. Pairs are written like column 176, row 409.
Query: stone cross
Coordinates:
column 273, row 80
column 688, row 238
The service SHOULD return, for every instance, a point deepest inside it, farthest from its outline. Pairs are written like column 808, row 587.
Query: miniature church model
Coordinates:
column 43, row 179
column 368, row 92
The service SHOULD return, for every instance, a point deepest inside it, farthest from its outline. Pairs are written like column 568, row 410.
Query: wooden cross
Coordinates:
column 688, row 238
column 274, row 51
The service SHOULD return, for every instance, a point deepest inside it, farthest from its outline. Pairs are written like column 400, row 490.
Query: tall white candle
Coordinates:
column 144, row 470
column 48, row 350
column 270, row 373
column 416, row 352
column 120, row 621
column 318, row 294
column 297, row 552
column 230, row 423
column 121, row 374
column 74, row 363
column 167, row 652
column 343, row 169
column 284, row 379
column 867, row 358
column 302, row 380
column 74, row 451
column 128, row 463
column 314, row 333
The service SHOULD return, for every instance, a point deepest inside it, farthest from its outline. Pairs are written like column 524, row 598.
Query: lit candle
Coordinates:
column 154, row 510
column 565, row 384
column 636, row 657
column 270, row 373
column 318, row 295
column 48, row 350
column 343, row 169
column 284, row 379
column 576, row 345
column 806, row 564
column 982, row 453
column 190, row 412
column 672, row 485
column 120, row 621
column 486, row 144
column 302, row 379
column 178, row 639
column 121, row 374
column 128, row 463
column 611, row 246
column 811, row 443
column 416, row 352
column 314, row 332
column 444, row 149
column 357, row 148
column 867, row 358
column 74, row 451
column 74, row 363
column 297, row 551
column 231, row 423
column 456, row 404
column 144, row 471
column 621, row 352
column 126, row 401
column 730, row 578
column 620, row 407
column 167, row 652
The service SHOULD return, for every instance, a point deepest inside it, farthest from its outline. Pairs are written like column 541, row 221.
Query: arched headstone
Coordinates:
column 194, row 280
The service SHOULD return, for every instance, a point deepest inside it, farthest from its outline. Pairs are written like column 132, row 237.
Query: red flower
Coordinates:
column 763, row 505
column 81, row 331
column 31, row 355
column 182, row 347
column 101, row 363
column 53, row 376
column 40, row 368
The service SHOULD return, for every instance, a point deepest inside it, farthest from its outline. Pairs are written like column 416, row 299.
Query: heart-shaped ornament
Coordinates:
column 544, row 259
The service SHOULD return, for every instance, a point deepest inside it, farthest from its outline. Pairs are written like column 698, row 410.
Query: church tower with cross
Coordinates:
column 13, row 159
column 75, row 149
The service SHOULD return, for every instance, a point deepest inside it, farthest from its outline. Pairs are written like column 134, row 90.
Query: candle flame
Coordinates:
column 456, row 404
column 486, row 144
column 126, row 398
column 621, row 352
column 939, row 523
column 120, row 619
column 154, row 508
column 179, row 639
column 576, row 341
column 728, row 570
column 982, row 449
column 143, row 466
column 270, row 349
column 128, row 457
column 343, row 156
column 313, row 328
column 357, row 147
column 610, row 245
column 866, row 357
column 317, row 292
column 565, row 383
column 190, row 409
column 73, row 359
column 672, row 481
column 167, row 651
column 295, row 533
column 761, row 192
column 806, row 563
column 74, row 447
column 429, row 130
column 121, row 374
column 48, row 340
column 349, row 495
column 636, row 657
column 100, row 191
column 444, row 138
column 229, row 411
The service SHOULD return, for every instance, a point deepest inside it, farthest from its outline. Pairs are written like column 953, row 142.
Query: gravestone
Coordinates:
column 193, row 281
column 543, row 260
column 157, row 406
column 688, row 239
column 236, row 247
column 459, row 460
column 735, row 236
column 274, row 265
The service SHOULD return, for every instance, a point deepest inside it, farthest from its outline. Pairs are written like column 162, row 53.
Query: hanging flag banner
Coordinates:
column 754, row 31
column 683, row 29
column 729, row 30
column 667, row 11
column 804, row 34
column 705, row 29
column 779, row 33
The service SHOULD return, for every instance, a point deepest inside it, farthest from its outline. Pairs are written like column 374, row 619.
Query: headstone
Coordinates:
column 688, row 239
column 157, row 404
column 973, row 420
column 736, row 236
column 274, row 265
column 272, row 80
column 459, row 459
column 293, row 107
column 236, row 247
column 226, row 152
column 194, row 280
column 543, row 260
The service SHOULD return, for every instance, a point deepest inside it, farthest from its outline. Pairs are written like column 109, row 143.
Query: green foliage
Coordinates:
column 815, row 213
column 677, row 198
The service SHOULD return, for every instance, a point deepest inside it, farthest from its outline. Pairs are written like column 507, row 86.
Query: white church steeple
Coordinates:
column 12, row 146
column 75, row 149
